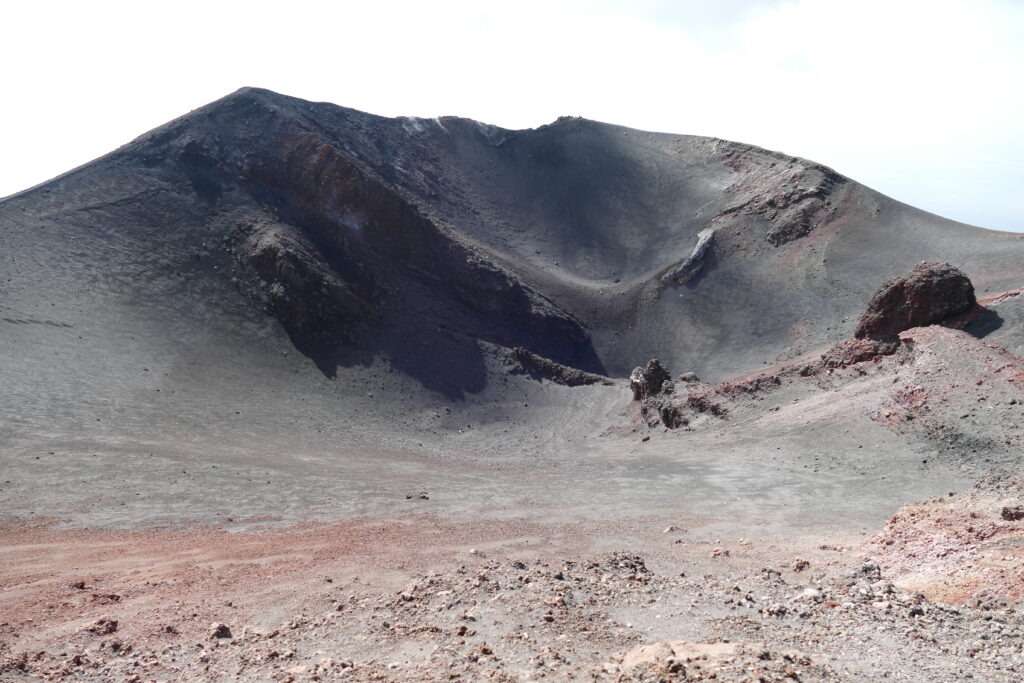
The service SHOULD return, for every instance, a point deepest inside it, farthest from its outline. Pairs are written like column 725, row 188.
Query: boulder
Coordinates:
column 648, row 380
column 930, row 294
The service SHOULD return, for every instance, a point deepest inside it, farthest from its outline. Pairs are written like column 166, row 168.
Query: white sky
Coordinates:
column 922, row 100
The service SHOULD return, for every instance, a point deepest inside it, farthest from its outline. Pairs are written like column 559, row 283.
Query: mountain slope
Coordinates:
column 410, row 241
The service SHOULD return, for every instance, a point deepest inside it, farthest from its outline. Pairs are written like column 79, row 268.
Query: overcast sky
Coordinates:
column 921, row 100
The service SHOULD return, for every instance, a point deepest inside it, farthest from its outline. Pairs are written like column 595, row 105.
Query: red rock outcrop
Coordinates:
column 930, row 294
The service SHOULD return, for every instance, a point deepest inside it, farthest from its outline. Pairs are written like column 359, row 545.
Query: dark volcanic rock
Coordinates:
column 103, row 626
column 330, row 239
column 648, row 380
column 675, row 411
column 930, row 294
column 539, row 367
column 303, row 291
column 218, row 630
column 1012, row 513
column 653, row 387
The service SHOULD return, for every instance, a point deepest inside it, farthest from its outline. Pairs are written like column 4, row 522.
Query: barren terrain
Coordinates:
column 293, row 392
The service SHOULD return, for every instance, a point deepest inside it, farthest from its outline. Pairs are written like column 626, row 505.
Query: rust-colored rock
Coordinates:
column 930, row 294
column 853, row 351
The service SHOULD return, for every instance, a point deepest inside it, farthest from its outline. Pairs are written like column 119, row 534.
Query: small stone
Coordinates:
column 218, row 630
column 1012, row 513
column 103, row 626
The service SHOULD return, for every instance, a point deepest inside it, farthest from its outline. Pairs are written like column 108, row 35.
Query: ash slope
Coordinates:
column 210, row 249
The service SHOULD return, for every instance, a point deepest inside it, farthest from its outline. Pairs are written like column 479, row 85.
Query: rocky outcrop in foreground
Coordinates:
column 930, row 294
column 753, row 612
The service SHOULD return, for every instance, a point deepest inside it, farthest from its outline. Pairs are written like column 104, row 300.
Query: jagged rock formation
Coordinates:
column 340, row 252
column 689, row 267
column 538, row 367
column 659, row 401
column 648, row 380
column 299, row 286
column 792, row 195
column 930, row 294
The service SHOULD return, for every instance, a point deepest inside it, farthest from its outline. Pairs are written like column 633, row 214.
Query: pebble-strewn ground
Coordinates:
column 374, row 601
